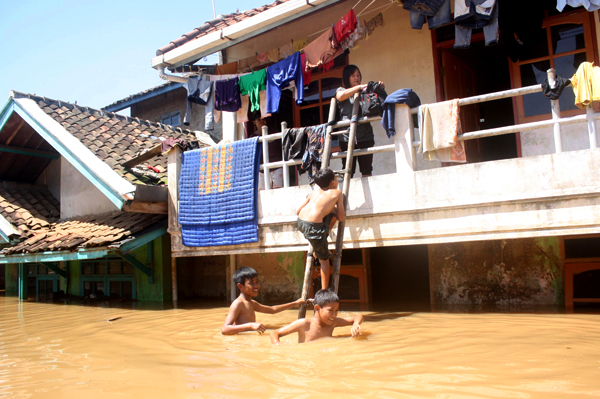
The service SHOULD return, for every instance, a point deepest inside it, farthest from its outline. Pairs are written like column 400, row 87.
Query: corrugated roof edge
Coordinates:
column 16, row 94
column 202, row 30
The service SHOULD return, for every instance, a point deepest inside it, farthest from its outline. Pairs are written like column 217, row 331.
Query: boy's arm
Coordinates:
column 295, row 326
column 277, row 308
column 230, row 328
column 303, row 204
column 355, row 321
column 341, row 213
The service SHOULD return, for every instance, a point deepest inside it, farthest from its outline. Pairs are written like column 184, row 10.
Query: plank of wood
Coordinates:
column 153, row 152
column 146, row 207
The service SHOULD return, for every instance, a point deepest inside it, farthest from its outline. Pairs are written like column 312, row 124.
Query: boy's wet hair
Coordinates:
column 242, row 274
column 325, row 297
column 324, row 177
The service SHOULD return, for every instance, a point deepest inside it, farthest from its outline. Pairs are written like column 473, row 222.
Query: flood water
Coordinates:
column 51, row 350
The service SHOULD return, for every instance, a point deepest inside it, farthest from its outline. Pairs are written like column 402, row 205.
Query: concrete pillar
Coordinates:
column 406, row 155
column 23, row 287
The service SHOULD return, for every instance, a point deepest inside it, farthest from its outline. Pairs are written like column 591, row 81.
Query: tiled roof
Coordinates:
column 114, row 138
column 29, row 208
column 87, row 232
column 142, row 93
column 220, row 22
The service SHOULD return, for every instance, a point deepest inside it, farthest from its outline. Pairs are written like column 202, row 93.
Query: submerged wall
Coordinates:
column 280, row 275
column 527, row 271
column 202, row 277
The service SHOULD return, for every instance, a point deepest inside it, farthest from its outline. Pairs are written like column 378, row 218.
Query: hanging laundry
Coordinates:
column 373, row 23
column 311, row 160
column 306, row 72
column 294, row 143
column 248, row 64
column 553, row 93
column 590, row 5
column 263, row 58
column 227, row 95
column 286, row 51
column 322, row 50
column 263, row 104
column 345, row 26
column 202, row 93
column 442, row 16
column 242, row 113
column 214, row 78
column 273, row 55
column 227, row 69
column 439, row 127
column 358, row 34
column 521, row 31
column 425, row 7
column 402, row 96
column 469, row 17
column 278, row 77
column 251, row 84
column 300, row 44
column 200, row 85
column 586, row 84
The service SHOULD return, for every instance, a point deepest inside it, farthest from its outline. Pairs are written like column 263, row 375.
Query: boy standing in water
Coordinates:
column 323, row 322
column 241, row 315
column 318, row 214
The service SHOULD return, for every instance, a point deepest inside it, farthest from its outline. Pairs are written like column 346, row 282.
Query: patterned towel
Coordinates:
column 439, row 127
column 218, row 194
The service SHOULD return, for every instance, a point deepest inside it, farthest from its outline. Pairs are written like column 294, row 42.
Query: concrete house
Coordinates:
column 81, row 211
column 519, row 224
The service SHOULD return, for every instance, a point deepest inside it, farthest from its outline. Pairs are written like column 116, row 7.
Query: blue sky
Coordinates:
column 93, row 52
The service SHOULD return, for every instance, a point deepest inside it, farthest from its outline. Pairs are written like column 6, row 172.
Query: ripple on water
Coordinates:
column 64, row 351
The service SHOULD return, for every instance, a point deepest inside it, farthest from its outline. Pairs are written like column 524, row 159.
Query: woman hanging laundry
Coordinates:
column 351, row 80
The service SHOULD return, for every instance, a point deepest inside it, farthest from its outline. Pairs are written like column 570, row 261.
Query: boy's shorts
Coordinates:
column 316, row 234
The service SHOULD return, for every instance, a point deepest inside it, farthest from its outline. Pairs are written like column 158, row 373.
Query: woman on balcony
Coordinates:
column 351, row 80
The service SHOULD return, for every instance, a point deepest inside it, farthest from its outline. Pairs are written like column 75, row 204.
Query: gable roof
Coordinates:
column 112, row 139
column 27, row 207
column 114, row 229
column 214, row 25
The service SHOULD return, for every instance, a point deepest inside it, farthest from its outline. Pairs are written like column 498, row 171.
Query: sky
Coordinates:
column 94, row 52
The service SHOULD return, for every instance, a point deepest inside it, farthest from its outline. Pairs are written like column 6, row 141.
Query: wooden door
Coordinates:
column 459, row 82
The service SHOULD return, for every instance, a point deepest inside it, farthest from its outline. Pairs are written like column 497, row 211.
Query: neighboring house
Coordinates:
column 166, row 104
column 81, row 211
column 518, row 224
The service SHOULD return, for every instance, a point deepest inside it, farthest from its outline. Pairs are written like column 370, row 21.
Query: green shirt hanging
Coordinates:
column 251, row 85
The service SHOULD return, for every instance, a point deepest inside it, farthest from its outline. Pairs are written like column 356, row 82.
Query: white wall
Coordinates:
column 50, row 177
column 79, row 197
column 541, row 141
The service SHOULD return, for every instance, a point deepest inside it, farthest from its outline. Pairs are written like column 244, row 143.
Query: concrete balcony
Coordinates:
column 545, row 195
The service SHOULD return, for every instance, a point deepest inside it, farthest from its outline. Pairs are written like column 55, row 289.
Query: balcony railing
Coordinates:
column 556, row 122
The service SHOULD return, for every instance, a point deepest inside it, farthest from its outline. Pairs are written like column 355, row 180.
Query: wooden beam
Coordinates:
column 12, row 136
column 146, row 207
column 55, row 269
column 153, row 152
column 29, row 151
column 138, row 265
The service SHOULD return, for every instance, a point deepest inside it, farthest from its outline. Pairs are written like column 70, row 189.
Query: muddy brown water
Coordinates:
column 50, row 350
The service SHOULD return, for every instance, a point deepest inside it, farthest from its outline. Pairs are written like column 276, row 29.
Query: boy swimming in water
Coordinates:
column 241, row 315
column 323, row 322
column 317, row 215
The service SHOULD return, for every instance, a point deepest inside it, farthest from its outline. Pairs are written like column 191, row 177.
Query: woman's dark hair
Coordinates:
column 346, row 73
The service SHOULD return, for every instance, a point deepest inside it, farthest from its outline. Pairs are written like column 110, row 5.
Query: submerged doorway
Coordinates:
column 475, row 71
column 400, row 276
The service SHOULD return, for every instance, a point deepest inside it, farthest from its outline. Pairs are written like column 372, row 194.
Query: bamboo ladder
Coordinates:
column 337, row 261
